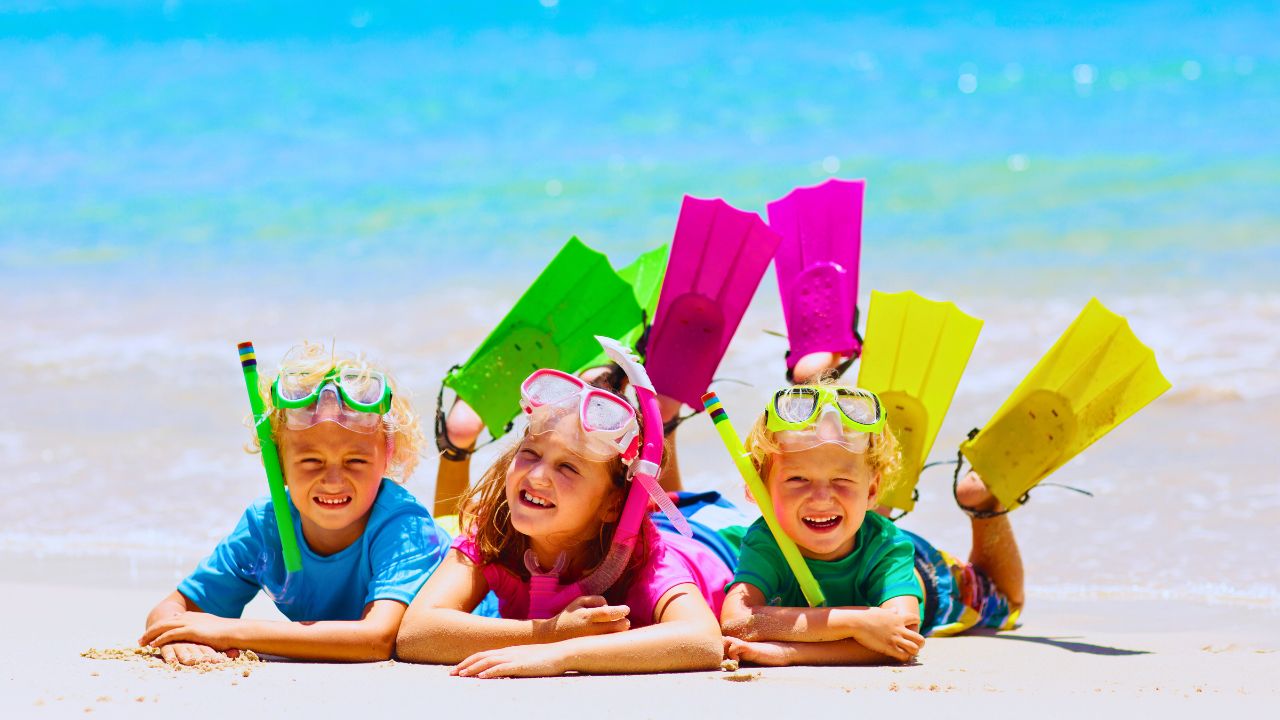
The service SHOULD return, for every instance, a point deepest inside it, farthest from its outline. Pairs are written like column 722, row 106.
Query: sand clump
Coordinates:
column 244, row 662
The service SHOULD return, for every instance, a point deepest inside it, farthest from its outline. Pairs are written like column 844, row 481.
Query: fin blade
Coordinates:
column 718, row 258
column 1094, row 377
column 550, row 325
column 916, row 351
column 821, row 227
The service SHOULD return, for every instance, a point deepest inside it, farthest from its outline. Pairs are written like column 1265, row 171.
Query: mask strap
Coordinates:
column 391, row 439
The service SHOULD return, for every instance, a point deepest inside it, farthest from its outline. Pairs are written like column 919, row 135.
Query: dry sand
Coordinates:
column 1097, row 655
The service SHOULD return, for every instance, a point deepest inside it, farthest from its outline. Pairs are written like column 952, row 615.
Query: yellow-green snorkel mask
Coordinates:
column 806, row 416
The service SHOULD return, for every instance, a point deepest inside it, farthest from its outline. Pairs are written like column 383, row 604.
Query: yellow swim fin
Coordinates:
column 913, row 355
column 1091, row 380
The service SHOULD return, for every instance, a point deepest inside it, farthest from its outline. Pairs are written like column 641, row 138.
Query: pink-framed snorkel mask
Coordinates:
column 547, row 596
column 605, row 425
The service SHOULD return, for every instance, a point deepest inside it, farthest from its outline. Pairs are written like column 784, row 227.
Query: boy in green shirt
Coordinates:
column 885, row 588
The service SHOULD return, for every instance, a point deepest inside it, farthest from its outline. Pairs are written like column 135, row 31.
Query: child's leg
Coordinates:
column 813, row 366
column 454, row 476
column 669, row 479
column 995, row 551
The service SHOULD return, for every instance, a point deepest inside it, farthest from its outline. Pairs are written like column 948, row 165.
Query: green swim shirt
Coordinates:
column 880, row 568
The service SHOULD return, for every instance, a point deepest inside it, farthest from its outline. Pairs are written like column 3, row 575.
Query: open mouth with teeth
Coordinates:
column 333, row 501
column 822, row 523
column 528, row 499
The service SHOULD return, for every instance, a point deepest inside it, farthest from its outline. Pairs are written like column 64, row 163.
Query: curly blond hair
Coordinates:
column 883, row 454
column 313, row 361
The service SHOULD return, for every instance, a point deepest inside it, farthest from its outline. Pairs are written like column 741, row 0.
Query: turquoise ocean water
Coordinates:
column 178, row 176
column 177, row 140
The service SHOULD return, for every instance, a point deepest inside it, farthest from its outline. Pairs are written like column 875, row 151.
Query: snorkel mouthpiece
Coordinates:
column 547, row 597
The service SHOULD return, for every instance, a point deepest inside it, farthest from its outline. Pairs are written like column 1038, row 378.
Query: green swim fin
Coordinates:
column 644, row 275
column 553, row 325
column 1093, row 378
column 913, row 355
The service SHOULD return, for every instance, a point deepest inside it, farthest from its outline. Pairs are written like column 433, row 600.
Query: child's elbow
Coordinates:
column 708, row 654
column 379, row 646
column 414, row 645
column 739, row 627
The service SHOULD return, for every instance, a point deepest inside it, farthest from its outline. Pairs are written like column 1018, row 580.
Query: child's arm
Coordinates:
column 684, row 637
column 889, row 630
column 368, row 639
column 781, row 654
column 439, row 626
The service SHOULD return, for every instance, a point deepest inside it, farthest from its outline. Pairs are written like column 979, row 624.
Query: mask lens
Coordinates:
column 329, row 406
column 546, row 388
column 795, row 404
column 297, row 386
column 607, row 413
column 858, row 407
column 363, row 386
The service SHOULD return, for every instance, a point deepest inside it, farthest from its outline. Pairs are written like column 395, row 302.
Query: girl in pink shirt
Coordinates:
column 557, row 497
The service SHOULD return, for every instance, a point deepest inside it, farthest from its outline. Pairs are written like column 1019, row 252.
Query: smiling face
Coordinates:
column 333, row 476
column 558, row 498
column 821, row 496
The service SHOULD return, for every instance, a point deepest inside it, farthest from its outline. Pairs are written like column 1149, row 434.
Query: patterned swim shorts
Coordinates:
column 959, row 596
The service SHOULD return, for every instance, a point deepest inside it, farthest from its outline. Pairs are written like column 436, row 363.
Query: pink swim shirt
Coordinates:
column 672, row 560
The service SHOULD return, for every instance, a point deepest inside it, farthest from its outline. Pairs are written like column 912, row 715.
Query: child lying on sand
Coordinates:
column 822, row 451
column 368, row 545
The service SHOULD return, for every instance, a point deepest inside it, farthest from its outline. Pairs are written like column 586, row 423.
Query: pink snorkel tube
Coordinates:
column 547, row 596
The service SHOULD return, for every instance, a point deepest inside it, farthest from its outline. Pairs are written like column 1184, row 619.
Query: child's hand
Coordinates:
column 516, row 661
column 889, row 632
column 589, row 615
column 192, row 627
column 760, row 653
column 193, row 654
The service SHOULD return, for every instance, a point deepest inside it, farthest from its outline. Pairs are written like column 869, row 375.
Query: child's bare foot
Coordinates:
column 463, row 426
column 813, row 366
column 973, row 494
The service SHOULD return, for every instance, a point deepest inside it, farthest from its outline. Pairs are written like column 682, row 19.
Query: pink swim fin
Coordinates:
column 817, row 266
column 718, row 257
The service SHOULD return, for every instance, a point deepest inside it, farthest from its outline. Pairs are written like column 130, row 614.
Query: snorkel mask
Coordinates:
column 607, row 424
column 355, row 398
column 806, row 416
column 605, row 427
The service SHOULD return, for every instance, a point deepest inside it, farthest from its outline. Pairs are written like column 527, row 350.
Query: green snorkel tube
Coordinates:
column 742, row 459
column 270, row 460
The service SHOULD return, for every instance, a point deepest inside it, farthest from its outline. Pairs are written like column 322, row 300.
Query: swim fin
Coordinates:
column 1093, row 378
column 915, row 352
column 553, row 325
column 817, row 266
column 644, row 275
column 717, row 260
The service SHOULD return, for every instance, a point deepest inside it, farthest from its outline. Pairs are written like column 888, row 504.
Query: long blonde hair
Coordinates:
column 312, row 362
column 883, row 454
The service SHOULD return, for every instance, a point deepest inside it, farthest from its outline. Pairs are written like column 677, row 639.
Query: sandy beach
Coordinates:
column 390, row 179
column 1177, row 658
